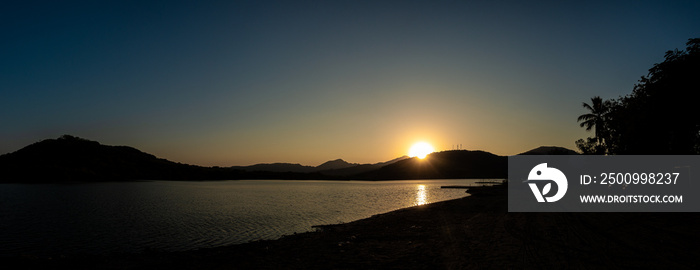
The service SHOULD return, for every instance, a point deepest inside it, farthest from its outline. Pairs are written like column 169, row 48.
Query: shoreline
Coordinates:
column 471, row 232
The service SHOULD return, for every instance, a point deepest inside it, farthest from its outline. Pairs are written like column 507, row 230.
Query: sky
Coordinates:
column 223, row 83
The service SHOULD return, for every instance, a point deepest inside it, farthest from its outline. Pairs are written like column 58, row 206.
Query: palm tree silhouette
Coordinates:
column 596, row 117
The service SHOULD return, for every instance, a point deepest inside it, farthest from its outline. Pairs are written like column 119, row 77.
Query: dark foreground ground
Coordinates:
column 473, row 232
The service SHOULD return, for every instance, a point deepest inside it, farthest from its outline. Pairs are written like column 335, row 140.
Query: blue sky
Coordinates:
column 243, row 82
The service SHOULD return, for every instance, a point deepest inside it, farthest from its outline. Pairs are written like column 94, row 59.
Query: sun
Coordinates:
column 420, row 150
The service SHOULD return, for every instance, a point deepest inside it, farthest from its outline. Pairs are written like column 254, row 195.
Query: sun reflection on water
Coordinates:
column 421, row 195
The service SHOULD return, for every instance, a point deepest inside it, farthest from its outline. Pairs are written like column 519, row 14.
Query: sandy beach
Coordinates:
column 472, row 232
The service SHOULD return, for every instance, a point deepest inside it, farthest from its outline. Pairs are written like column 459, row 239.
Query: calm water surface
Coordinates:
column 46, row 220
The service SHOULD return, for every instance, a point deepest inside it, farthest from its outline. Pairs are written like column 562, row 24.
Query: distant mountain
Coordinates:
column 276, row 167
column 550, row 150
column 335, row 165
column 295, row 167
column 444, row 165
column 334, row 168
column 361, row 168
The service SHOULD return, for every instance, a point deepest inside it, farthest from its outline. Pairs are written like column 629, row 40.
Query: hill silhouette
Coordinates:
column 297, row 168
column 335, row 165
column 550, row 150
column 70, row 158
column 333, row 168
column 444, row 165
column 359, row 169
column 276, row 167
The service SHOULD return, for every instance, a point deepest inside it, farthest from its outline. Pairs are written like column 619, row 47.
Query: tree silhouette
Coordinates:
column 660, row 116
column 596, row 117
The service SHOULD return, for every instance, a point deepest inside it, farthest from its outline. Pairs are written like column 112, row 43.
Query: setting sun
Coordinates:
column 420, row 150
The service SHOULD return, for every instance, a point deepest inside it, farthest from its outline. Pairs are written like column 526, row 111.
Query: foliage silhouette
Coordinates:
column 660, row 116
column 590, row 146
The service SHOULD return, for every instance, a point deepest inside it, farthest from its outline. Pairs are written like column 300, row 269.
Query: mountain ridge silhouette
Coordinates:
column 71, row 158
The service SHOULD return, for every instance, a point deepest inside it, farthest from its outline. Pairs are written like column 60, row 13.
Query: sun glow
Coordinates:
column 420, row 150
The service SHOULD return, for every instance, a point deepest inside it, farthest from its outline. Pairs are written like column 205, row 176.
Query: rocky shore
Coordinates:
column 472, row 232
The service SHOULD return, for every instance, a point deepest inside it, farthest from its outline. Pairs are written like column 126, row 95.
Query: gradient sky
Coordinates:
column 243, row 82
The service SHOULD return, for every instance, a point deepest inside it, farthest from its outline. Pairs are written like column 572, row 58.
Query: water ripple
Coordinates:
column 170, row 216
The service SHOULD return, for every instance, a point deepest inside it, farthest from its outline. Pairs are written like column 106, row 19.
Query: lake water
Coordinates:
column 99, row 218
